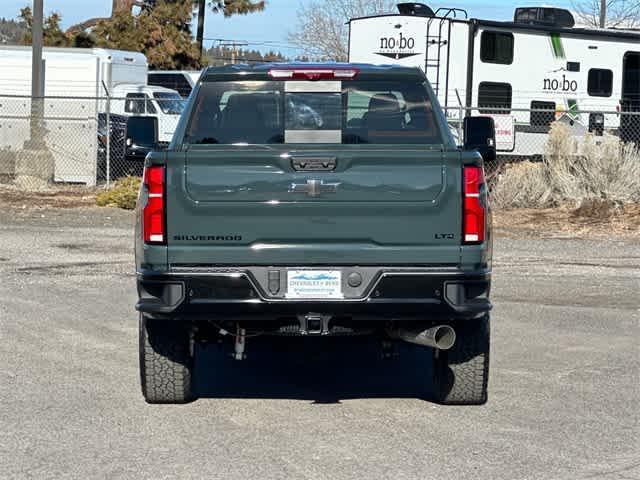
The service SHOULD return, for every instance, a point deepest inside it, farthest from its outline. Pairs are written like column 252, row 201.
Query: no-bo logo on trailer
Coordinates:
column 397, row 47
column 564, row 85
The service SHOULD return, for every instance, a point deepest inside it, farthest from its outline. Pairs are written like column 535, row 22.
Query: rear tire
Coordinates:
column 166, row 362
column 461, row 374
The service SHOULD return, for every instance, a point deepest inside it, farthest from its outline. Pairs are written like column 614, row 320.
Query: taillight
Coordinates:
column 153, row 212
column 473, row 211
column 313, row 73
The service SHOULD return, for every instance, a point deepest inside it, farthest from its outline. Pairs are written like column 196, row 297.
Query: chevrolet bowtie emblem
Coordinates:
column 314, row 188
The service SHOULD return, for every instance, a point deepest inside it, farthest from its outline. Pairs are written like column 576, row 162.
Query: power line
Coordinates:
column 265, row 43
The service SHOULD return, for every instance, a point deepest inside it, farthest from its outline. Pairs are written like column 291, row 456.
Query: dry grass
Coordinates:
column 123, row 194
column 592, row 219
column 521, row 185
column 54, row 197
column 602, row 168
column 593, row 185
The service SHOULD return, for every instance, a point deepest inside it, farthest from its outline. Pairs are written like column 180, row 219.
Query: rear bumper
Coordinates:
column 245, row 294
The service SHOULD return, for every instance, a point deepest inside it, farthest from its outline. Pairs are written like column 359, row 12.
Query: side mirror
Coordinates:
column 480, row 135
column 141, row 137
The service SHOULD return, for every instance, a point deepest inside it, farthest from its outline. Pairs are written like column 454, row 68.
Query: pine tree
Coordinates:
column 161, row 29
column 235, row 7
column 162, row 33
column 53, row 36
column 216, row 56
column 11, row 32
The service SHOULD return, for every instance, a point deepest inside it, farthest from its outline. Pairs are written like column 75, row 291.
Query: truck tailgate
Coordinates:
column 243, row 205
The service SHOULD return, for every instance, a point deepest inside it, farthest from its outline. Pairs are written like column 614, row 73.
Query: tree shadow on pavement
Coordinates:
column 319, row 369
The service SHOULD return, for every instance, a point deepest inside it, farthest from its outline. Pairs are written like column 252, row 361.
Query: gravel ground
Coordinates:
column 564, row 390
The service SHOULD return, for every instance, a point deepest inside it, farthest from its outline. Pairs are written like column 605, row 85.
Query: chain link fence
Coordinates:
column 69, row 140
column 523, row 133
column 82, row 140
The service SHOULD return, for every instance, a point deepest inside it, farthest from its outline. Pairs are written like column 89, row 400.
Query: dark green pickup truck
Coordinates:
column 315, row 199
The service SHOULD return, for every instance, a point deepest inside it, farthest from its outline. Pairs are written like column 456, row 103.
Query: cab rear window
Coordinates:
column 272, row 112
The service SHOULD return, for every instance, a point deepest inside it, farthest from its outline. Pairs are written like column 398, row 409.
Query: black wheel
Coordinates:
column 461, row 374
column 166, row 362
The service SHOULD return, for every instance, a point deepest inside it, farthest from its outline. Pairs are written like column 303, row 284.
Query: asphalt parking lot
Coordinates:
column 564, row 390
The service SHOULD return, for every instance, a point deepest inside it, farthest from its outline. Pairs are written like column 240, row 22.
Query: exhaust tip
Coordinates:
column 441, row 337
column 444, row 337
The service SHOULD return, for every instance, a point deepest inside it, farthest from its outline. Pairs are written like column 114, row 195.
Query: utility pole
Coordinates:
column 233, row 45
column 200, row 31
column 603, row 13
column 34, row 163
column 37, row 84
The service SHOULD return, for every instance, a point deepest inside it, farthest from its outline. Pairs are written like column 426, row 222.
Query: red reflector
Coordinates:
column 313, row 73
column 473, row 211
column 153, row 212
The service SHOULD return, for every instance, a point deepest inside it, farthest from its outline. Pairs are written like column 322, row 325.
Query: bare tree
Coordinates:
column 322, row 31
column 609, row 13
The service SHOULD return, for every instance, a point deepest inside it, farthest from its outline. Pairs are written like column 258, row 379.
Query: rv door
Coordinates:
column 630, row 102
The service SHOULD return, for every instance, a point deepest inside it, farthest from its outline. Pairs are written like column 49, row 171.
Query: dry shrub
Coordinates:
column 521, row 185
column 123, row 194
column 596, row 209
column 601, row 168
column 612, row 169
column 559, row 156
column 597, row 171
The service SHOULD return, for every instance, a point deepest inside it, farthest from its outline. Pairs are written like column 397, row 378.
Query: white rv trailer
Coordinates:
column 538, row 62
column 74, row 79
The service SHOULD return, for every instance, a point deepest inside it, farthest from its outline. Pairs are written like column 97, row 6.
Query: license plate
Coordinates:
column 314, row 284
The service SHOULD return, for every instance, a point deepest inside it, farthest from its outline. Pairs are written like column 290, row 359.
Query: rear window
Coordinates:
column 174, row 81
column 271, row 112
column 169, row 102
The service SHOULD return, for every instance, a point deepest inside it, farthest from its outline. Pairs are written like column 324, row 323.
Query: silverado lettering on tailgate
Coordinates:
column 207, row 238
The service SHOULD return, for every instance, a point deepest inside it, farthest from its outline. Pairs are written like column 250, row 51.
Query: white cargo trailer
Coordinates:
column 76, row 84
column 526, row 73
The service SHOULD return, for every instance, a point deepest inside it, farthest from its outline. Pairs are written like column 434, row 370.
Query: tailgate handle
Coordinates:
column 314, row 164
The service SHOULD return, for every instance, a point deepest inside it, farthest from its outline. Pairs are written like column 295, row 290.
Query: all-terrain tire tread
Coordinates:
column 461, row 374
column 165, row 361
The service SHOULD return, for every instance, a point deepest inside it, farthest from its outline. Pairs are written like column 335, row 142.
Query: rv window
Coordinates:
column 563, row 18
column 573, row 66
column 600, row 82
column 496, row 47
column 525, row 15
column 138, row 103
column 542, row 118
column 494, row 98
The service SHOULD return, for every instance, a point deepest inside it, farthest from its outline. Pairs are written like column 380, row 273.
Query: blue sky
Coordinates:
column 270, row 26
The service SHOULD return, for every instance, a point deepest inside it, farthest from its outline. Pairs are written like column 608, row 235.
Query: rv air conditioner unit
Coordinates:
column 417, row 9
column 557, row 17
